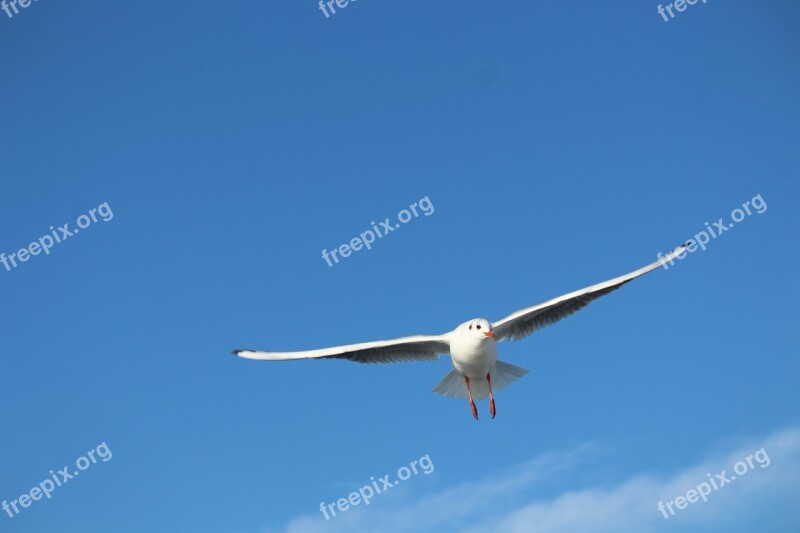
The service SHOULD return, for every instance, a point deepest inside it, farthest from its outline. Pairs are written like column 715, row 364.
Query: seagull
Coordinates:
column 472, row 346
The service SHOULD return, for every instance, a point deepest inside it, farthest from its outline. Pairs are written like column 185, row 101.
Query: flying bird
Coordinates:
column 477, row 373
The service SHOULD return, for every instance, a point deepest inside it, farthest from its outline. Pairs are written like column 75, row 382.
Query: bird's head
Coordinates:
column 479, row 328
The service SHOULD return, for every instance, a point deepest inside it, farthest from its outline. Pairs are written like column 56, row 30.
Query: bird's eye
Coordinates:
column 478, row 326
column 470, row 326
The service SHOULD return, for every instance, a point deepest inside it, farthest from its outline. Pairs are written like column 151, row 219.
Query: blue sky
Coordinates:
column 561, row 144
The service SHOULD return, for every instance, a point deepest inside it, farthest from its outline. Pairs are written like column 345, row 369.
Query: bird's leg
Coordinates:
column 471, row 401
column 491, row 396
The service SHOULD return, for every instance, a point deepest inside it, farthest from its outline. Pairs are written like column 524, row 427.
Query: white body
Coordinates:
column 473, row 356
column 473, row 352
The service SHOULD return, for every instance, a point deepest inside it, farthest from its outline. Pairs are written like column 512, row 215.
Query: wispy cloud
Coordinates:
column 504, row 502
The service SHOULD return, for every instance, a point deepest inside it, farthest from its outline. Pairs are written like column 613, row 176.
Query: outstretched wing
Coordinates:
column 526, row 321
column 415, row 348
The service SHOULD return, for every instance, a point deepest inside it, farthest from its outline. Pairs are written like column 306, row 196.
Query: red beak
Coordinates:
column 489, row 334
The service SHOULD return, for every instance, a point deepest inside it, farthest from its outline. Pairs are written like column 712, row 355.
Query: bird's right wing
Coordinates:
column 525, row 321
column 415, row 348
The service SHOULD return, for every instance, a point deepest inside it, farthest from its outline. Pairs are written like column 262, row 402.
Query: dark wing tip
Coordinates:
column 237, row 352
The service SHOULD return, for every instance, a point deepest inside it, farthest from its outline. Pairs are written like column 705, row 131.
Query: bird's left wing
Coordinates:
column 525, row 321
column 415, row 348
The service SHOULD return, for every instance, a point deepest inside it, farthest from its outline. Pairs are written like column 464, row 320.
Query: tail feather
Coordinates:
column 452, row 386
column 503, row 375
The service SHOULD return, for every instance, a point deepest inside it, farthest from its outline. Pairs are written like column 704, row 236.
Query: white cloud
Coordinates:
column 763, row 496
